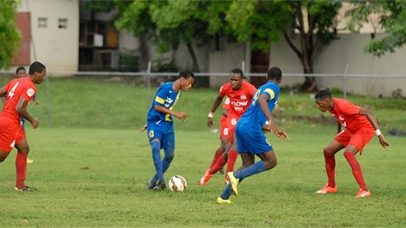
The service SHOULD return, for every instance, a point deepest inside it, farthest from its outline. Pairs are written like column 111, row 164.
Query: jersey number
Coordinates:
column 11, row 93
column 254, row 100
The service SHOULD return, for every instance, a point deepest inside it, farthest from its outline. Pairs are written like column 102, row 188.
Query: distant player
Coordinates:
column 159, row 125
column 360, row 125
column 240, row 94
column 20, row 92
column 251, row 140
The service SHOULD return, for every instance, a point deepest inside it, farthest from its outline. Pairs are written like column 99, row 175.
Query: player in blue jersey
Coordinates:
column 159, row 125
column 251, row 139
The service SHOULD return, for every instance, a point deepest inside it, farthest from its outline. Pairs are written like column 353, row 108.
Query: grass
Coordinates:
column 91, row 165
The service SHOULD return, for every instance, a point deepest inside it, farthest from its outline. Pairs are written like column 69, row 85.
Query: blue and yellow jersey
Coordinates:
column 167, row 97
column 254, row 116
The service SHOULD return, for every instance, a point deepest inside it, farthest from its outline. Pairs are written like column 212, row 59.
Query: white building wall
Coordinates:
column 57, row 48
column 334, row 59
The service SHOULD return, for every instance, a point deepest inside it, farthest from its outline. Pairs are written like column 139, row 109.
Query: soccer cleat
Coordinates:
column 151, row 184
column 222, row 201
column 29, row 161
column 362, row 193
column 327, row 190
column 206, row 177
column 25, row 189
column 234, row 182
column 160, row 186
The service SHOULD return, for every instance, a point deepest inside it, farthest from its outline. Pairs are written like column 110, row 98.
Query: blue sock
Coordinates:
column 156, row 157
column 250, row 170
column 169, row 155
column 228, row 192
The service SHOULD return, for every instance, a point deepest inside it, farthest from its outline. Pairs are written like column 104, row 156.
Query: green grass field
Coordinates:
column 91, row 165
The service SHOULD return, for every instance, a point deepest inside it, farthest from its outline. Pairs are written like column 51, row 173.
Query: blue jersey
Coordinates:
column 166, row 97
column 254, row 116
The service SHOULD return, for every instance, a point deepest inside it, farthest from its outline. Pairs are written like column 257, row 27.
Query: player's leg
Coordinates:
column 356, row 144
column 232, row 157
column 154, row 136
column 21, row 164
column 168, row 144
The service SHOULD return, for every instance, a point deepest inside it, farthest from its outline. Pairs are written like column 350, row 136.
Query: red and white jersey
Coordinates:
column 16, row 89
column 240, row 99
column 226, row 104
column 348, row 115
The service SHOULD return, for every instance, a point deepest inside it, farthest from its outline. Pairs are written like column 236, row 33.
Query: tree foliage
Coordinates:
column 392, row 18
column 10, row 36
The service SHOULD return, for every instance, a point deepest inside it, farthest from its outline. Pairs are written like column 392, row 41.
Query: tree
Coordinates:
column 261, row 22
column 392, row 18
column 10, row 36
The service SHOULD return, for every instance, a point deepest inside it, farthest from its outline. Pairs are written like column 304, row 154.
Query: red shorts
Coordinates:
column 223, row 128
column 358, row 139
column 231, row 123
column 10, row 134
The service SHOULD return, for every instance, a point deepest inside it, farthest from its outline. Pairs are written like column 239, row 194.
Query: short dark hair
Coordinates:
column 237, row 71
column 186, row 74
column 20, row 68
column 323, row 94
column 36, row 67
column 274, row 73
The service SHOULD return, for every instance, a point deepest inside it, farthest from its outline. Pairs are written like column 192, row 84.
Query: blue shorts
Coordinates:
column 162, row 131
column 251, row 140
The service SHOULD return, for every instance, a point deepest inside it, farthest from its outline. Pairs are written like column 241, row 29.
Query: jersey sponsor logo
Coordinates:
column 168, row 102
column 239, row 103
column 30, row 92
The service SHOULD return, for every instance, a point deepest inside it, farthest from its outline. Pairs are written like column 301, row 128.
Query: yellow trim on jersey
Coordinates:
column 160, row 100
column 270, row 92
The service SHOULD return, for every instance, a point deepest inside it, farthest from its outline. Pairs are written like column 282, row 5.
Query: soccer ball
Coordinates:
column 177, row 183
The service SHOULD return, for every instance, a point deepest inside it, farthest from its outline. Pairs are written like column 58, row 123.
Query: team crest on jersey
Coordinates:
column 243, row 97
column 30, row 92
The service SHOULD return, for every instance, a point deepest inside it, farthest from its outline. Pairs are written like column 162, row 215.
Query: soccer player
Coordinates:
column 20, row 92
column 224, row 132
column 360, row 125
column 159, row 125
column 240, row 94
column 250, row 136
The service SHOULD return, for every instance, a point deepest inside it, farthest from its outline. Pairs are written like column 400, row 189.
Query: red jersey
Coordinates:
column 240, row 99
column 17, row 88
column 348, row 115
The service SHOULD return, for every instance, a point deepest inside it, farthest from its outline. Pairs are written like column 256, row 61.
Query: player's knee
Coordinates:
column 270, row 164
column 328, row 153
column 169, row 154
column 156, row 146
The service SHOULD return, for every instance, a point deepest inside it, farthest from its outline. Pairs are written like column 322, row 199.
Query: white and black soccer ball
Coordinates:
column 177, row 183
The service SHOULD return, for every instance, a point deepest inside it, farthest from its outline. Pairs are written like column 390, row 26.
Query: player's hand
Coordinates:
column 35, row 123
column 383, row 142
column 181, row 116
column 210, row 122
column 271, row 127
column 37, row 103
column 143, row 128
column 282, row 135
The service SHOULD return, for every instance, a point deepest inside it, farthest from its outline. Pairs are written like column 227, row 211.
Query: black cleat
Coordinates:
column 160, row 186
column 151, row 184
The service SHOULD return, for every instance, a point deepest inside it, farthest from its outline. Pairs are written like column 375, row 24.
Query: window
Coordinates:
column 63, row 23
column 42, row 22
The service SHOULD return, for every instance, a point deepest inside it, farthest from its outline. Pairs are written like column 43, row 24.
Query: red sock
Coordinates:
column 330, row 167
column 218, row 153
column 221, row 161
column 21, row 169
column 356, row 169
column 232, row 158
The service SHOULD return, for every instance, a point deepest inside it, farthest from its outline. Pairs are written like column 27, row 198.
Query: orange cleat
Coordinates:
column 362, row 193
column 327, row 190
column 206, row 177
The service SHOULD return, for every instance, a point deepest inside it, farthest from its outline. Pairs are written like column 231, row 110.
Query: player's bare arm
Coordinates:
column 262, row 102
column 21, row 108
column 216, row 104
column 179, row 115
column 3, row 92
column 374, row 122
column 143, row 128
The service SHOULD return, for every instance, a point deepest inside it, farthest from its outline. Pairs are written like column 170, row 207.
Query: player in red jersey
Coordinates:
column 20, row 92
column 360, row 125
column 240, row 94
column 224, row 134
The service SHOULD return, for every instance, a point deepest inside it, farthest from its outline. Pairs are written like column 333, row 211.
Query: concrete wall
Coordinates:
column 367, row 75
column 55, row 47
